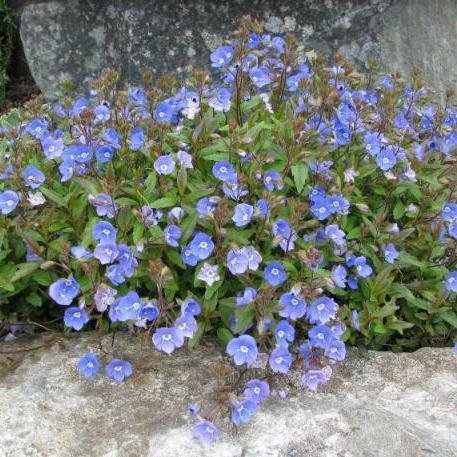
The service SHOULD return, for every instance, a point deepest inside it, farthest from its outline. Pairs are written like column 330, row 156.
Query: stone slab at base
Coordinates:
column 380, row 404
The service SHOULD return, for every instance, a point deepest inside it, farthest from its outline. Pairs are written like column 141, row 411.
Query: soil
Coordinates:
column 20, row 91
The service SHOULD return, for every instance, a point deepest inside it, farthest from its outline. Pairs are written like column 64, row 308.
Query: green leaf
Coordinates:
column 244, row 317
column 34, row 299
column 300, row 174
column 399, row 210
column 224, row 335
column 450, row 317
column 54, row 196
column 164, row 202
column 25, row 269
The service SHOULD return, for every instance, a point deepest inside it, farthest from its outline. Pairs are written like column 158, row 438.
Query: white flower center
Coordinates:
column 244, row 349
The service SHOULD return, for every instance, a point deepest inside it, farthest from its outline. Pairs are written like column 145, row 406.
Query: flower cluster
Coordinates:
column 286, row 207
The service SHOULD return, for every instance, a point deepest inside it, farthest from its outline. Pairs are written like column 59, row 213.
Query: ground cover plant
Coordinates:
column 285, row 206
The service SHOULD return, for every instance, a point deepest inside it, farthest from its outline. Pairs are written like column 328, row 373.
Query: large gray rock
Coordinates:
column 380, row 404
column 77, row 39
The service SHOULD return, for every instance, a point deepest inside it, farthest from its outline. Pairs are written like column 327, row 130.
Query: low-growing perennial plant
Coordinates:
column 285, row 207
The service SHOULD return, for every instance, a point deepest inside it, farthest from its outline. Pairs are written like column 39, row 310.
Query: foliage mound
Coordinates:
column 286, row 207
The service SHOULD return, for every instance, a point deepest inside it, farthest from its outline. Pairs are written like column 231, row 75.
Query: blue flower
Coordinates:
column 449, row 212
column 184, row 159
column 80, row 153
column 209, row 274
column 386, row 159
column 335, row 234
column 259, row 76
column 33, row 177
column 221, row 56
column 201, row 246
column 190, row 306
column 104, row 204
column 274, row 273
column 278, row 44
column 164, row 165
column 339, row 276
column 262, row 209
column 254, row 258
column 166, row 111
column 106, row 253
column 75, row 317
column 284, row 334
column 273, row 180
column 237, row 261
column 167, row 339
column 63, row 291
column 149, row 311
column 38, row 128
column 360, row 263
column 280, row 360
column 104, row 297
column 112, row 138
column 137, row 138
column 101, row 114
column 66, row 169
column 339, row 204
column 206, row 206
column 8, row 201
column 243, row 349
column 79, row 106
column 127, row 261
column 88, row 365
column 243, row 410
column 320, row 336
column 137, row 96
column 187, row 325
column 128, row 307
column 206, row 432
column 353, row 283
column 118, row 369
column 104, row 233
column 224, row 171
column 336, row 350
column 234, row 191
column 193, row 409
column 314, row 378
column 293, row 306
column 452, row 229
column 114, row 274
column 322, row 310
column 105, row 153
column 172, row 234
column 221, row 101
column 188, row 257
column 150, row 216
column 256, row 390
column 322, row 208
column 390, row 253
column 450, row 281
column 243, row 214
column 355, row 320
column 246, row 297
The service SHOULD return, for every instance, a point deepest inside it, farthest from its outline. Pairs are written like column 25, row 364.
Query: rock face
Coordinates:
column 380, row 404
column 77, row 39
